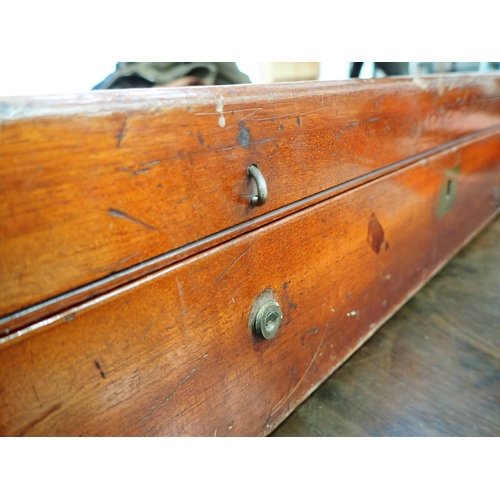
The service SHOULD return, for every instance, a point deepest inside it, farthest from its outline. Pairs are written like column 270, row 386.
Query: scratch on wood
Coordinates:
column 226, row 149
column 37, row 398
column 206, row 113
column 176, row 388
column 119, row 263
column 37, row 420
column 293, row 114
column 148, row 327
column 254, row 143
column 140, row 171
column 122, row 215
column 209, row 300
column 183, row 305
column 362, row 122
column 182, row 200
column 253, row 111
column 313, row 359
column 231, row 265
column 121, row 135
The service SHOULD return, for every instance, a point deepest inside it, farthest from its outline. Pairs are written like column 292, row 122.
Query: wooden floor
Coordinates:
column 431, row 370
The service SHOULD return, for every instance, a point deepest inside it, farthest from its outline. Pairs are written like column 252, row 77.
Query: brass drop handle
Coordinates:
column 257, row 176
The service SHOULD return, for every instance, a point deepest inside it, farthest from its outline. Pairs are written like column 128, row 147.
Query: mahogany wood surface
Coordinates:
column 432, row 370
column 111, row 185
column 172, row 353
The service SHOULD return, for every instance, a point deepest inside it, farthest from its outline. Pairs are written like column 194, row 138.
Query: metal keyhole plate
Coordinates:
column 268, row 320
column 449, row 189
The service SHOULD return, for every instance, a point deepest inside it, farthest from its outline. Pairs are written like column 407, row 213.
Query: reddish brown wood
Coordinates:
column 172, row 354
column 101, row 183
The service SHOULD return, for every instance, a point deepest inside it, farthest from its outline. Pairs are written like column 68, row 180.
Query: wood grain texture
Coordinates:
column 431, row 370
column 105, row 185
column 172, row 353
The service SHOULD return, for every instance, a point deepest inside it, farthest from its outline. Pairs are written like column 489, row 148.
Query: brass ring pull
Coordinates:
column 257, row 176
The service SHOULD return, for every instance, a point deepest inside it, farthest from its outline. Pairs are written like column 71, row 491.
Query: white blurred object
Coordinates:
column 329, row 71
column 367, row 70
column 252, row 70
column 54, row 77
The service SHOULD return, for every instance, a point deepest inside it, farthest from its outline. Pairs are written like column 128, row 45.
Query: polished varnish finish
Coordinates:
column 112, row 186
column 173, row 353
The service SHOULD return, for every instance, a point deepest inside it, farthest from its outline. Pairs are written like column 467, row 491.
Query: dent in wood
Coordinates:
column 98, row 366
column 375, row 234
column 244, row 136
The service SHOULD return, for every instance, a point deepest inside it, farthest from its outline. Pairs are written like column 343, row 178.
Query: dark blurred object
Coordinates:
column 172, row 74
column 429, row 68
column 426, row 68
column 389, row 68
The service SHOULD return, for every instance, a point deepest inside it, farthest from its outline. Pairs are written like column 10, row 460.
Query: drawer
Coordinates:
column 103, row 188
column 174, row 353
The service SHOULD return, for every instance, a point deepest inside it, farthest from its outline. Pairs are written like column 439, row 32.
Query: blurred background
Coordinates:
column 73, row 76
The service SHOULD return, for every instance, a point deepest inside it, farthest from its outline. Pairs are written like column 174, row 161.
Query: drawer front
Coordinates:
column 174, row 353
column 108, row 182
